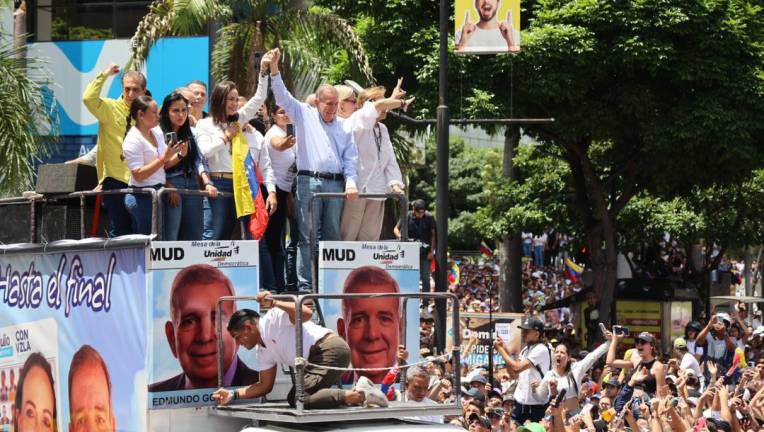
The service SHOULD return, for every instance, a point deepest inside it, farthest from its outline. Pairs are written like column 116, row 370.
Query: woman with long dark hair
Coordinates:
column 147, row 157
column 216, row 135
column 569, row 375
column 35, row 404
column 183, row 213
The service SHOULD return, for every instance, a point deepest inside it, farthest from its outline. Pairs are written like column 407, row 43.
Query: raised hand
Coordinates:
column 112, row 69
column 398, row 92
column 275, row 56
column 222, row 396
column 468, row 29
column 507, row 30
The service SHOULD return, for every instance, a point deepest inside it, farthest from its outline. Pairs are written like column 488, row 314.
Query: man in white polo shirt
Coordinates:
column 535, row 360
column 273, row 338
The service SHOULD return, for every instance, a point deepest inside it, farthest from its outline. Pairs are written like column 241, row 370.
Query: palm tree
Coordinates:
column 311, row 40
column 28, row 119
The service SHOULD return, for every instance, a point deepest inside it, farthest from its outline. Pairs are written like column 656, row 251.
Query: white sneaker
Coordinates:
column 373, row 396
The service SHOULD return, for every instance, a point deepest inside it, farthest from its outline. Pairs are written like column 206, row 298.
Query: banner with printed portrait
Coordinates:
column 186, row 279
column 485, row 328
column 73, row 340
column 374, row 327
column 487, row 26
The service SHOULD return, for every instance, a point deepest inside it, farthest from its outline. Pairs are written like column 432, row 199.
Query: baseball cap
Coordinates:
column 611, row 380
column 680, row 343
column 759, row 331
column 531, row 427
column 646, row 336
column 476, row 376
column 532, row 323
column 475, row 394
column 724, row 317
column 483, row 420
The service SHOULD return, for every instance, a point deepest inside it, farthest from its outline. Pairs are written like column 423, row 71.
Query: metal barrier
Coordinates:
column 402, row 200
column 84, row 194
column 299, row 300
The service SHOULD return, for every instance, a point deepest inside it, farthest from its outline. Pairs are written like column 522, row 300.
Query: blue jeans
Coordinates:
column 139, row 207
column 538, row 256
column 267, row 281
column 291, row 253
column 219, row 222
column 119, row 219
column 185, row 221
column 275, row 234
column 206, row 217
column 326, row 221
column 527, row 249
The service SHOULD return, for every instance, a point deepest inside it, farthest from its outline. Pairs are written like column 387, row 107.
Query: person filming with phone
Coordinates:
column 645, row 343
column 147, row 156
column 183, row 214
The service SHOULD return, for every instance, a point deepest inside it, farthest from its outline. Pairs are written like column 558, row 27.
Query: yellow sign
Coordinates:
column 487, row 26
column 639, row 316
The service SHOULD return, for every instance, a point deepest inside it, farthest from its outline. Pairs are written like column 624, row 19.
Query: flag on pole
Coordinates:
column 485, row 250
column 573, row 270
column 453, row 274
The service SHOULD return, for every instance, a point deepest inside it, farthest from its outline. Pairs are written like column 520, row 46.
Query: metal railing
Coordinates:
column 300, row 366
column 314, row 250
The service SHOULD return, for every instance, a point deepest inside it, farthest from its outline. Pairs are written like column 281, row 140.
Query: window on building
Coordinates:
column 57, row 20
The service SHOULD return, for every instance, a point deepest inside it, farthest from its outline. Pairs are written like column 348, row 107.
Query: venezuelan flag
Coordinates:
column 573, row 270
column 453, row 274
column 485, row 250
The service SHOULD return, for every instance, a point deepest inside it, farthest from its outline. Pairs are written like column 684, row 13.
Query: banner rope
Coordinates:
column 302, row 361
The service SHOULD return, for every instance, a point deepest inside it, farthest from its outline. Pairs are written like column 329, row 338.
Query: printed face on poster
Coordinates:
column 487, row 26
column 186, row 280
column 73, row 340
column 373, row 327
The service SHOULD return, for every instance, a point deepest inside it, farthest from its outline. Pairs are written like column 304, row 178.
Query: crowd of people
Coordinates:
column 258, row 162
column 713, row 379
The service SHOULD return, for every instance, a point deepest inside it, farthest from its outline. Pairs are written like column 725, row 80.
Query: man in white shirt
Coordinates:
column 488, row 34
column 273, row 338
column 686, row 359
column 327, row 160
column 534, row 361
column 417, row 389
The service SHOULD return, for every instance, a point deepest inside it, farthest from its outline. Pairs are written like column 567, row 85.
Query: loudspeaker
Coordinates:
column 65, row 178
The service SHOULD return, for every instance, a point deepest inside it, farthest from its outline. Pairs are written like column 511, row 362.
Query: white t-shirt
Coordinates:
column 694, row 348
column 717, row 348
column 527, row 237
column 278, row 335
column 690, row 362
column 139, row 152
column 282, row 162
column 539, row 355
column 487, row 40
column 539, row 240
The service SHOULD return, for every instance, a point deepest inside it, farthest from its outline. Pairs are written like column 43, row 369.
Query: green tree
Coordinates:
column 466, row 190
column 28, row 125
column 311, row 39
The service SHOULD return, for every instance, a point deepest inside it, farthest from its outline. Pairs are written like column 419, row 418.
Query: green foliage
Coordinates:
column 61, row 31
column 539, row 197
column 28, row 127
column 466, row 189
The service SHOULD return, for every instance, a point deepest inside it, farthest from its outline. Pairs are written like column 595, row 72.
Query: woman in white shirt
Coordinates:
column 147, row 156
column 378, row 170
column 568, row 375
column 214, row 136
column 281, row 148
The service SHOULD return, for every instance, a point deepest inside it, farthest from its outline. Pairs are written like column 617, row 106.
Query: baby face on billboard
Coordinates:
column 191, row 333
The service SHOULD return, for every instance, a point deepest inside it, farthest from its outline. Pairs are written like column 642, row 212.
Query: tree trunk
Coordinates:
column 604, row 261
column 511, row 279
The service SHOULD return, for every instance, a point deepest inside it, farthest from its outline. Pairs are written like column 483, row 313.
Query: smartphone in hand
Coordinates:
column 621, row 330
column 170, row 138
column 290, row 129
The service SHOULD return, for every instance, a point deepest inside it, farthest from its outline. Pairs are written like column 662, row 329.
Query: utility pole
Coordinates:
column 441, row 197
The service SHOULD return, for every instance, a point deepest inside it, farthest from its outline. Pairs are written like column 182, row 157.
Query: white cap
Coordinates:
column 759, row 331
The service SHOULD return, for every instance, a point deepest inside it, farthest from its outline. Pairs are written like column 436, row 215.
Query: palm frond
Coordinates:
column 172, row 18
column 28, row 119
